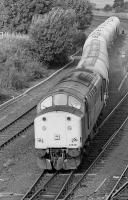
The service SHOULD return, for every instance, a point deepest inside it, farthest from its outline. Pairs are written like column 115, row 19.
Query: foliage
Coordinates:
column 3, row 14
column 118, row 3
column 107, row 7
column 18, row 13
column 18, row 62
column 78, row 40
column 11, row 78
column 35, row 70
column 53, row 35
column 119, row 9
column 126, row 4
column 83, row 10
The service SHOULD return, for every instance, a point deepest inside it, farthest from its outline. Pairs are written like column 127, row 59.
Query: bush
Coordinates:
column 118, row 3
column 19, row 81
column 119, row 9
column 52, row 35
column 107, row 7
column 78, row 40
column 11, row 43
column 83, row 10
column 3, row 14
column 35, row 70
column 13, row 79
column 18, row 62
column 126, row 5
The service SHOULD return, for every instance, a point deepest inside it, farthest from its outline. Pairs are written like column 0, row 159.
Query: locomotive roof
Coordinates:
column 79, row 83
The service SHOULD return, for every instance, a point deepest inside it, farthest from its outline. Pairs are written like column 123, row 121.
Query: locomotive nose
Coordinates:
column 58, row 129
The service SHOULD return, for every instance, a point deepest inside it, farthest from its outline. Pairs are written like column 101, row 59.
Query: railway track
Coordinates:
column 122, row 193
column 106, row 130
column 54, row 188
column 16, row 128
column 106, row 172
column 121, row 190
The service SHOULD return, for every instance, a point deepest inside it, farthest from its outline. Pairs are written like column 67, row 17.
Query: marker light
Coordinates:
column 69, row 128
column 44, row 128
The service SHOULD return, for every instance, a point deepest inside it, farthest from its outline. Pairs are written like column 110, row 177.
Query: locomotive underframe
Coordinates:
column 59, row 158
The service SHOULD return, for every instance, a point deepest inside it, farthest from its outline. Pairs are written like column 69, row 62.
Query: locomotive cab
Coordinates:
column 59, row 99
column 58, row 130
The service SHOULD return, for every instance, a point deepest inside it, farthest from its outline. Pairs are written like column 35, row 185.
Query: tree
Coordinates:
column 52, row 35
column 83, row 10
column 118, row 3
column 107, row 7
column 126, row 4
column 2, row 13
column 19, row 13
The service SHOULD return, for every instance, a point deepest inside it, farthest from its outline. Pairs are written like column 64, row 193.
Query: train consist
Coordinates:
column 67, row 116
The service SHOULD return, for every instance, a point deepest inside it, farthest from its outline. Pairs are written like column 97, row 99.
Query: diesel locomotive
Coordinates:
column 67, row 116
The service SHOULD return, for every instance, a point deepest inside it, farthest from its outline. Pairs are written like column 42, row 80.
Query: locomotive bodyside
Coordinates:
column 67, row 116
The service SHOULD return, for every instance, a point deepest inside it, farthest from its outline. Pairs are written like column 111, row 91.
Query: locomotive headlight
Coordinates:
column 44, row 128
column 69, row 128
column 44, row 118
